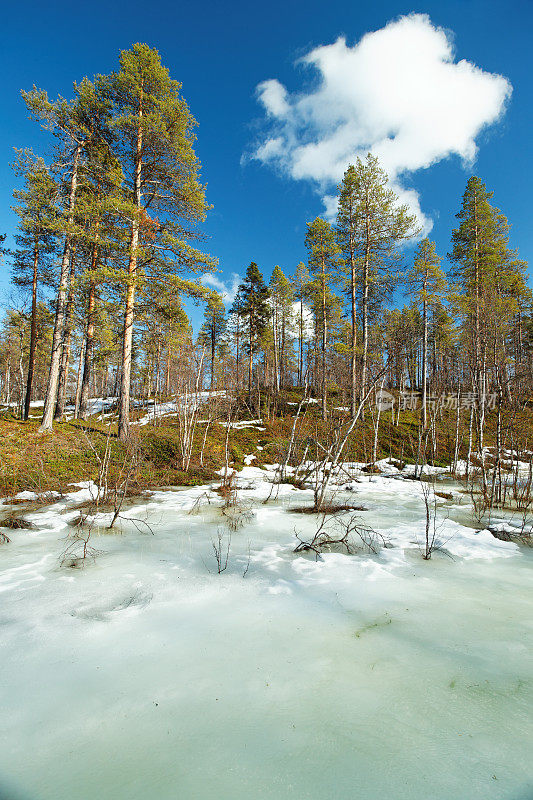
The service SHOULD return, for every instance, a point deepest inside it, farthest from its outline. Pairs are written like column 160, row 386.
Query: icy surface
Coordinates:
column 148, row 675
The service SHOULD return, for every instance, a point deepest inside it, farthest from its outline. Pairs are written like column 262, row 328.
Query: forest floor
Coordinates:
column 74, row 451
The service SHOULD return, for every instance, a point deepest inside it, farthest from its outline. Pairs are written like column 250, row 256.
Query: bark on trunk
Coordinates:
column 65, row 350
column 127, row 341
column 59, row 324
column 353, row 403
column 88, row 356
column 425, row 357
column 324, row 343
column 33, row 335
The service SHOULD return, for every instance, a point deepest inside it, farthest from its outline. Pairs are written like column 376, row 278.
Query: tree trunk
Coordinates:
column 65, row 346
column 212, row 382
column 425, row 356
column 276, row 354
column 324, row 343
column 365, row 316
column 78, row 381
column 127, row 340
column 250, row 360
column 353, row 399
column 301, row 354
column 88, row 356
column 59, row 324
column 33, row 335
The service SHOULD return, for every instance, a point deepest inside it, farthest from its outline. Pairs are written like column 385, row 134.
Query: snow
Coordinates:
column 147, row 674
column 190, row 401
column 245, row 423
column 101, row 405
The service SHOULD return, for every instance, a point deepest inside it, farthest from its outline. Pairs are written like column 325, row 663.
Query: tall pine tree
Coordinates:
column 255, row 312
column 155, row 141
column 371, row 225
column 427, row 283
column 323, row 259
column 36, row 240
column 213, row 330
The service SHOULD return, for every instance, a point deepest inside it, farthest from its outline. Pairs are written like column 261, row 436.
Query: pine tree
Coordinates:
column 235, row 327
column 75, row 124
column 323, row 259
column 346, row 230
column 100, row 207
column 371, row 226
column 32, row 260
column 489, row 279
column 300, row 284
column 255, row 311
column 427, row 282
column 281, row 296
column 155, row 135
column 214, row 328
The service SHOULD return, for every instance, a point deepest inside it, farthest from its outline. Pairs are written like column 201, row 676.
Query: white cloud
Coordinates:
column 274, row 98
column 308, row 326
column 227, row 290
column 397, row 92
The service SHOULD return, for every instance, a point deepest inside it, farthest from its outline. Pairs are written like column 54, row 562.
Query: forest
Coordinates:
column 107, row 251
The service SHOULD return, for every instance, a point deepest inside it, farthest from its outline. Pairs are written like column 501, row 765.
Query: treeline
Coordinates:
column 104, row 258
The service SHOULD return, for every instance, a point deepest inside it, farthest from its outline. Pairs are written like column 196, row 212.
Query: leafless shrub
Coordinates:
column 280, row 475
column 128, row 469
column 247, row 566
column 228, row 487
column 15, row 523
column 237, row 516
column 236, row 513
column 221, row 548
column 341, row 532
column 109, row 490
column 199, row 502
column 78, row 550
column 330, row 462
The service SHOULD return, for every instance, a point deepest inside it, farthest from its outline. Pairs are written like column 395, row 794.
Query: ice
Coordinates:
column 148, row 675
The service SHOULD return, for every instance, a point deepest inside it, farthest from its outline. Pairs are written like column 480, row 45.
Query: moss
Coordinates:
column 161, row 450
column 194, row 477
column 44, row 462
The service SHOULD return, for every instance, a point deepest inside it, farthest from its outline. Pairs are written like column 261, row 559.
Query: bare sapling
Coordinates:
column 108, row 488
column 128, row 470
column 280, row 473
column 330, row 461
column 431, row 542
column 235, row 512
column 457, row 428
column 188, row 408
column 375, row 421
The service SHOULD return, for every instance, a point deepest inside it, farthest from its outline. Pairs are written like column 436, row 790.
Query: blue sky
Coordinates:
column 221, row 52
